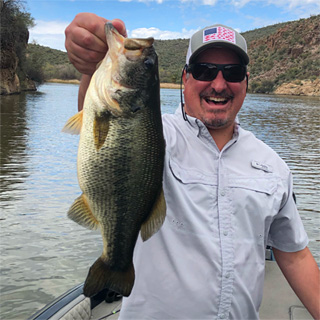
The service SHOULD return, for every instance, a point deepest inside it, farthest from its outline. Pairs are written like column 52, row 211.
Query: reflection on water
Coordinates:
column 14, row 131
column 43, row 253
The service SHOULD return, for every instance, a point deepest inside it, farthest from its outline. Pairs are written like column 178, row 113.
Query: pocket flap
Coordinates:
column 191, row 175
column 264, row 185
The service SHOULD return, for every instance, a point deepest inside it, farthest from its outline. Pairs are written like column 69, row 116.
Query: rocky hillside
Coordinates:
column 290, row 54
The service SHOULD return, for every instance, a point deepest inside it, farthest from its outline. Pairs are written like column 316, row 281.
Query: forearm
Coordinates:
column 84, row 84
column 303, row 275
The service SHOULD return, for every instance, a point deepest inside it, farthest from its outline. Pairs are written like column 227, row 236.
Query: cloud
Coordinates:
column 288, row 4
column 308, row 5
column 49, row 27
column 49, row 33
column 160, row 34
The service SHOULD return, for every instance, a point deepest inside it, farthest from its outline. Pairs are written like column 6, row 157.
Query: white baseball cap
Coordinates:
column 217, row 35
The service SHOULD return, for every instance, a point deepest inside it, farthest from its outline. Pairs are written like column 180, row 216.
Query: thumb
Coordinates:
column 120, row 26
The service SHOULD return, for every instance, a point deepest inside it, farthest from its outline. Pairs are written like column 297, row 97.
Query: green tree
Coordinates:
column 14, row 35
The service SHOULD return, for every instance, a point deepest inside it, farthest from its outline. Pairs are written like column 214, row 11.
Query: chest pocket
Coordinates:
column 191, row 200
column 255, row 203
column 192, row 176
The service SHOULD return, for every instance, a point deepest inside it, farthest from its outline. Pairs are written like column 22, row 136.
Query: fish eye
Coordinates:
column 149, row 63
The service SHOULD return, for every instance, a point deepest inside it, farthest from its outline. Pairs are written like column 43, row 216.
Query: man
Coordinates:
column 228, row 195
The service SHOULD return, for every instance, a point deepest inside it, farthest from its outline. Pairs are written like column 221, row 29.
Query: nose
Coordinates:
column 219, row 83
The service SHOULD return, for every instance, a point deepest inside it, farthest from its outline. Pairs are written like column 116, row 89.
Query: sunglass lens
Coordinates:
column 204, row 72
column 235, row 73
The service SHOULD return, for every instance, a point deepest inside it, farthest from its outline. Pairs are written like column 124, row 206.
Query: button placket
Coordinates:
column 227, row 254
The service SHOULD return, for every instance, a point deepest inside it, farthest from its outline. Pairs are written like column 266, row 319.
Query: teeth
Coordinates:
column 217, row 99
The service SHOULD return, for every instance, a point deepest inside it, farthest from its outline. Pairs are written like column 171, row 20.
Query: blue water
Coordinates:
column 43, row 253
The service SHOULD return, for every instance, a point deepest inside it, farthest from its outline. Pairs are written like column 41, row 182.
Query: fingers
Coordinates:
column 120, row 26
column 85, row 41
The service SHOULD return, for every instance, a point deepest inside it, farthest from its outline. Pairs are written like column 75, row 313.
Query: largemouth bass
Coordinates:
column 120, row 158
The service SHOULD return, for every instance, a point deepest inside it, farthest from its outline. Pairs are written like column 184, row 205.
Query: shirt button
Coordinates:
column 227, row 275
column 225, row 233
column 222, row 193
column 222, row 316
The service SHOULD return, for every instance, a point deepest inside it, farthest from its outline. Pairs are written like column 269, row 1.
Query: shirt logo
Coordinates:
column 261, row 166
column 219, row 33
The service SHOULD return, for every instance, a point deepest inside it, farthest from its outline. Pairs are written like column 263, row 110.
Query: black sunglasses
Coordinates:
column 209, row 71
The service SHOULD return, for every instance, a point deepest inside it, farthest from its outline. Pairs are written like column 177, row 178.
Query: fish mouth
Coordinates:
column 131, row 48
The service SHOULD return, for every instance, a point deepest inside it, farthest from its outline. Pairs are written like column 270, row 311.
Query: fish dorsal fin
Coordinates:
column 100, row 129
column 81, row 213
column 155, row 219
column 74, row 124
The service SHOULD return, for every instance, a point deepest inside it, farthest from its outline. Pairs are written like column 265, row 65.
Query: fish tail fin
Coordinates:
column 101, row 277
column 155, row 219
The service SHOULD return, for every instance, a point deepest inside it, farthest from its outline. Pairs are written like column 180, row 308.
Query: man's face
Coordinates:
column 217, row 102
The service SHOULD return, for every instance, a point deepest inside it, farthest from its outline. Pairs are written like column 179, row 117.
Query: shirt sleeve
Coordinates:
column 287, row 232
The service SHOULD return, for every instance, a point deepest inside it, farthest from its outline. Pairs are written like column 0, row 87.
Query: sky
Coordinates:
column 163, row 19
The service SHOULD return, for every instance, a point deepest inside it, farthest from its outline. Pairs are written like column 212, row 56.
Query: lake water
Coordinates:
column 43, row 253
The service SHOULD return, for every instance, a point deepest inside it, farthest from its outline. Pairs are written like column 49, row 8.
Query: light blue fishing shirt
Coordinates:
column 223, row 208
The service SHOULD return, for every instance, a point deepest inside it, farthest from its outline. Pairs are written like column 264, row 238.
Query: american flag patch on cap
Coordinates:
column 219, row 33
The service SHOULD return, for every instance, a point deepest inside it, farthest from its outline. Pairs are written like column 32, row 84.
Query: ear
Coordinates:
column 185, row 75
column 247, row 78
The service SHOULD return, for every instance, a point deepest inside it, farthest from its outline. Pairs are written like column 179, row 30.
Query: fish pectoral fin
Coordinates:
column 100, row 276
column 156, row 218
column 81, row 213
column 74, row 124
column 100, row 129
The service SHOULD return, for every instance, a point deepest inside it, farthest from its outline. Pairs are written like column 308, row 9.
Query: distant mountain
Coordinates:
column 281, row 53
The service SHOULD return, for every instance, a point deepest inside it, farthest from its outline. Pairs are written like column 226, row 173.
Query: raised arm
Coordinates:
column 86, row 46
column 303, row 275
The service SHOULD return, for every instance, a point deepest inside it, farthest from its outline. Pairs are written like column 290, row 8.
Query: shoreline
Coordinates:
column 75, row 81
column 305, row 88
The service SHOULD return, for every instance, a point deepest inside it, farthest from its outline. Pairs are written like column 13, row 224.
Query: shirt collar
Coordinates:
column 199, row 128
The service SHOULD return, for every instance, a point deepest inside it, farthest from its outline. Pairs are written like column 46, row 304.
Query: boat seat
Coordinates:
column 78, row 309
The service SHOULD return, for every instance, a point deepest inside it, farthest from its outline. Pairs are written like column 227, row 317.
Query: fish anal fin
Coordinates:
column 74, row 124
column 156, row 218
column 81, row 213
column 100, row 129
column 100, row 276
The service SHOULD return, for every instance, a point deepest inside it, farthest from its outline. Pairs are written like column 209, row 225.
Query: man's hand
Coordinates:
column 86, row 46
column 86, row 41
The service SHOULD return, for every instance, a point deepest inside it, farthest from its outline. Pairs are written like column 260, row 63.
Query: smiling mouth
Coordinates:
column 217, row 100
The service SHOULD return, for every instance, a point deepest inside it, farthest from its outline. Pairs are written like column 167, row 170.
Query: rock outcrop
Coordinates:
column 300, row 88
column 12, row 78
column 10, row 83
